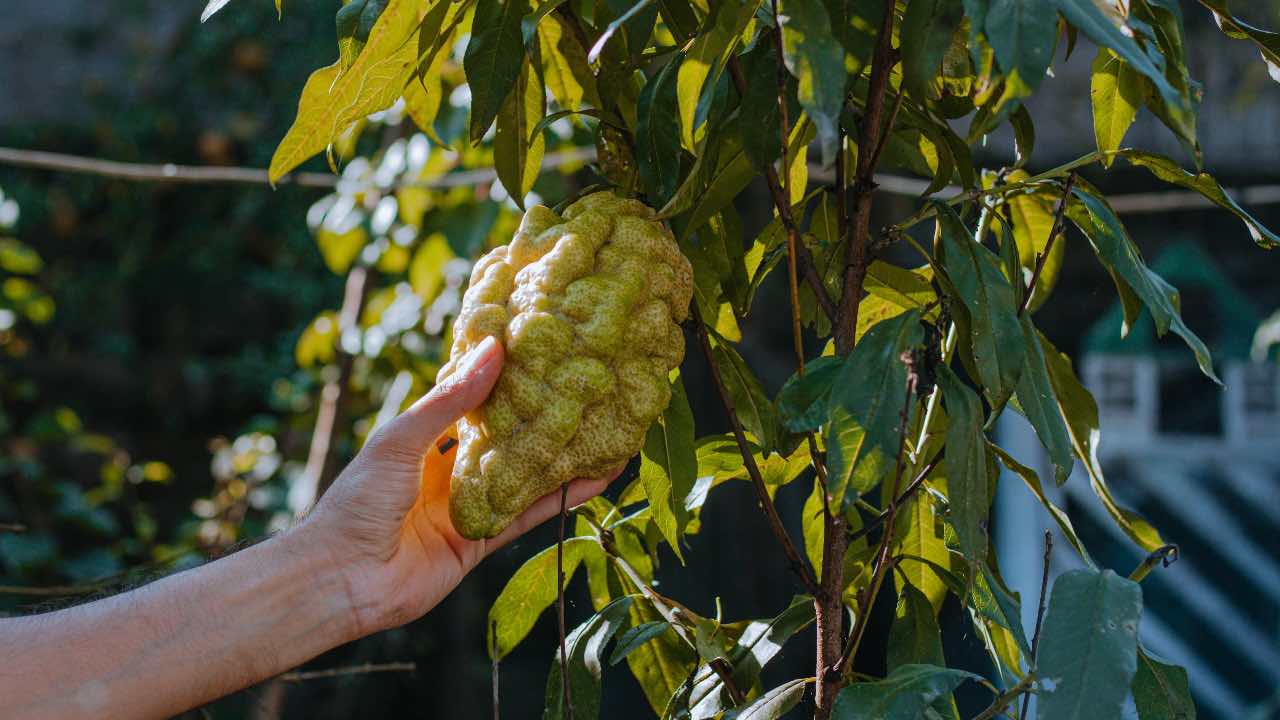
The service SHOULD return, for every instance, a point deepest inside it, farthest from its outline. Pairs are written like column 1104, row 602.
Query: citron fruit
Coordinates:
column 587, row 307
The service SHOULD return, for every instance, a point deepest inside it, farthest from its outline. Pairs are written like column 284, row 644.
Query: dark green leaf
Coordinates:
column 753, row 406
column 583, row 648
column 1203, row 183
column 1160, row 690
column 903, row 695
column 493, row 58
column 1037, row 402
column 803, row 400
column 816, row 58
column 1022, row 33
column 966, row 465
column 1118, row 253
column 1081, row 415
column 988, row 297
column 668, row 466
column 863, row 437
column 1089, row 644
column 914, row 637
column 613, row 27
column 531, row 590
column 635, row 637
column 926, row 33
column 658, row 134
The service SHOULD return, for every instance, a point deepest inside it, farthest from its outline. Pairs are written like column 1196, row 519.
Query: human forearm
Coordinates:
column 181, row 641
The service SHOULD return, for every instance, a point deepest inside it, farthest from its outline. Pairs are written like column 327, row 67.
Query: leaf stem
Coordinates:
column 1003, row 700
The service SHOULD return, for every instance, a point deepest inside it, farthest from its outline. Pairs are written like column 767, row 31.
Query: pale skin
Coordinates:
column 378, row 551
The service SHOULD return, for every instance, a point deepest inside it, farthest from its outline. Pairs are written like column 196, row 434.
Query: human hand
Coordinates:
column 385, row 521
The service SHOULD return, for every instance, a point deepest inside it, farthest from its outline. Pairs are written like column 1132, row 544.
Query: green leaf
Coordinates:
column 19, row 259
column 988, row 298
column 1081, row 415
column 803, row 402
column 903, row 695
column 1116, row 93
column 1119, row 254
column 332, row 99
column 564, row 66
column 658, row 134
column 758, row 108
column 998, row 604
column 583, row 648
column 927, row 27
column 636, row 636
column 754, row 409
column 1058, row 514
column 966, row 465
column 773, row 704
column 1203, row 183
column 1089, row 644
column 705, row 61
column 668, row 466
column 1267, row 42
column 816, row 59
column 919, row 533
column 813, row 529
column 914, row 637
column 862, row 437
column 531, row 590
column 760, row 642
column 1160, row 690
column 493, row 58
column 1022, row 34
column 517, row 149
column 1111, row 31
column 1037, row 403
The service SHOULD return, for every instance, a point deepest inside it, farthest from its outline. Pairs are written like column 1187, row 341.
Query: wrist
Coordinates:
column 333, row 575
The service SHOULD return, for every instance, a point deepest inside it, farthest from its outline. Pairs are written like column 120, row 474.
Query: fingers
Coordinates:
column 462, row 391
column 548, row 506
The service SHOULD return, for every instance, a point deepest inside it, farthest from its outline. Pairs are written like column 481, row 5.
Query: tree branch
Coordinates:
column 1002, row 700
column 753, row 470
column 564, row 656
column 1054, row 231
column 1035, row 639
column 364, row 669
column 782, row 205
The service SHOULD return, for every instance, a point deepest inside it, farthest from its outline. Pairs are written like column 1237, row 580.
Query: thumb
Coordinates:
column 470, row 383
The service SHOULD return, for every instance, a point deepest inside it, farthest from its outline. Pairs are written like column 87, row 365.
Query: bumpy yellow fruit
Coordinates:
column 587, row 307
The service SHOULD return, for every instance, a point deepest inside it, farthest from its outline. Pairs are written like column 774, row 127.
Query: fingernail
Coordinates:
column 479, row 356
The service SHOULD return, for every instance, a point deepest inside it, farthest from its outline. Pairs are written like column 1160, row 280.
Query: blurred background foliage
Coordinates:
column 164, row 348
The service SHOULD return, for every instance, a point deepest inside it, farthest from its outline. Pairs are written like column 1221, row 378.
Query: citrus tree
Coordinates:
column 901, row 368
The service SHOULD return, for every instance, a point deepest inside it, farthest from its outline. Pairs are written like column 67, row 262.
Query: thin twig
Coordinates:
column 782, row 205
column 494, row 666
column 1054, row 231
column 1002, row 700
column 564, row 656
column 13, row 527
column 906, row 493
column 888, row 129
column 753, row 470
column 1164, row 556
column 882, row 553
column 365, row 669
column 172, row 173
column 1035, row 639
